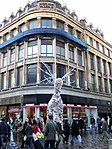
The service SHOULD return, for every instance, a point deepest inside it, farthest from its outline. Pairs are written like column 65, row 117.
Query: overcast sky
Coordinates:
column 98, row 12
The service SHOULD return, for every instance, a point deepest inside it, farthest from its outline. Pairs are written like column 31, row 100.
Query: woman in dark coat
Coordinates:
column 66, row 131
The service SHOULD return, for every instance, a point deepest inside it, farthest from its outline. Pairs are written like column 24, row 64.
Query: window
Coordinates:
column 92, row 82
column 11, row 78
column 14, row 32
column 45, row 77
column 104, row 66
column 61, row 71
column 6, row 37
column 70, row 29
column 3, row 81
column 4, row 59
column 46, row 47
column 22, row 28
column 20, row 52
column 81, row 79
column 60, row 49
column 19, row 76
column 105, row 85
column 110, row 71
column 46, row 23
column 31, row 74
column 92, row 61
column 98, row 64
column 72, row 78
column 111, row 86
column 78, row 34
column 99, row 84
column 91, row 41
column 32, row 48
column 97, row 45
column 32, row 24
column 80, row 57
column 60, row 24
column 71, row 53
column 103, row 49
column 12, row 58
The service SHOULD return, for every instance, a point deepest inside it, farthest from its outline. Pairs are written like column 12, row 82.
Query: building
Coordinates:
column 45, row 31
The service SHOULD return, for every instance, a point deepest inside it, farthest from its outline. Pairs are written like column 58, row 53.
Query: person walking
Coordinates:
column 49, row 133
column 75, row 133
column 66, row 131
column 105, row 129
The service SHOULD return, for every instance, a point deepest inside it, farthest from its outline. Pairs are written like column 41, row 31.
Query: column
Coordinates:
column 15, row 66
column 108, row 82
column 74, row 32
column 89, row 71
column 38, row 64
column 54, row 54
column 53, row 22
column 37, row 113
column 85, row 73
column 77, row 76
column 102, row 79
column 96, row 73
column 66, row 27
column 38, row 22
column 26, row 25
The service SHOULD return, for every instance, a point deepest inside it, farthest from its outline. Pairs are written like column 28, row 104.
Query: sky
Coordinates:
column 97, row 12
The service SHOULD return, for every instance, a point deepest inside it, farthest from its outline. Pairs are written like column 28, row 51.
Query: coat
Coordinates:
column 75, row 129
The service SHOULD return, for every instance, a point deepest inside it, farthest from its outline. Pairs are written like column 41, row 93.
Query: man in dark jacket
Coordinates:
column 50, row 131
column 3, row 132
column 75, row 132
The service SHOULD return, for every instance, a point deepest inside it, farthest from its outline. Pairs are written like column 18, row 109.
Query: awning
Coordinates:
column 14, row 111
column 46, row 31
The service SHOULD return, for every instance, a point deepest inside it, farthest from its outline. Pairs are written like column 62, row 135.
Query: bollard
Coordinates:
column 110, row 143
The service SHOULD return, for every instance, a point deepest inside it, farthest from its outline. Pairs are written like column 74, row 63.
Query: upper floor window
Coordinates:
column 11, row 79
column 98, row 64
column 46, row 23
column 3, row 84
column 73, row 78
column 78, row 34
column 32, row 24
column 71, row 53
column 110, row 70
column 22, row 28
column 81, row 79
column 14, row 32
column 107, row 52
column 6, row 37
column 97, row 45
column 105, row 85
column 91, row 41
column 70, row 29
column 60, row 24
column 19, row 76
column 99, row 84
column 92, row 82
column 103, row 49
column 92, row 61
column 46, row 47
column 45, row 77
column 60, row 49
column 20, row 52
column 61, row 71
column 31, row 73
column 80, row 57
column 4, row 59
column 12, row 56
column 104, row 66
column 32, row 48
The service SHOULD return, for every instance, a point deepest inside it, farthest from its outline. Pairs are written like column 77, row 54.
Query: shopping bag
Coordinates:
column 36, row 142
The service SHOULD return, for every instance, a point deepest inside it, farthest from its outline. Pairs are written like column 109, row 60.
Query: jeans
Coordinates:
column 73, row 139
column 29, row 142
column 2, row 138
column 51, row 143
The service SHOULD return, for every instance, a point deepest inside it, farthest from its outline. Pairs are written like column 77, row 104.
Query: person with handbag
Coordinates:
column 49, row 133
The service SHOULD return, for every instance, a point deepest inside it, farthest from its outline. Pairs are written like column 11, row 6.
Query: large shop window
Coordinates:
column 12, row 56
column 46, row 72
column 71, row 53
column 46, row 47
column 31, row 74
column 46, row 23
column 60, row 24
column 81, row 79
column 32, row 48
column 21, row 52
column 3, row 84
column 60, row 49
column 61, row 71
column 19, row 76
column 11, row 79
column 4, row 59
column 80, row 57
column 32, row 24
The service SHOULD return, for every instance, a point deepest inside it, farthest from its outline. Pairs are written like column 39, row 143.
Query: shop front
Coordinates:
column 69, row 112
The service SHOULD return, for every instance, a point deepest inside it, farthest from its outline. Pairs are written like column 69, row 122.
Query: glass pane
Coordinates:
column 43, row 48
column 34, row 50
column 29, row 50
column 49, row 49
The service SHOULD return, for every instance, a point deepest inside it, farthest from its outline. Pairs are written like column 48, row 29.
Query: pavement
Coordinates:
column 89, row 141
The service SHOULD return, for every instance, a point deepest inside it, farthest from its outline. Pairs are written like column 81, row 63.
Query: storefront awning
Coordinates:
column 14, row 111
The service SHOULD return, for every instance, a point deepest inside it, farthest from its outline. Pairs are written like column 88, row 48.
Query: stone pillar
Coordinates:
column 38, row 64
column 77, row 75
column 102, row 79
column 26, row 25
column 38, row 22
column 54, row 22
column 66, row 27
column 37, row 113
column 15, row 66
column 66, row 51
column 89, row 71
column 108, row 81
column 74, row 32
column 96, row 73
column 54, row 55
column 85, row 73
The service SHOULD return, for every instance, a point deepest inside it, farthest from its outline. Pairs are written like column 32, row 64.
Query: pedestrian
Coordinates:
column 81, row 124
column 92, row 124
column 3, row 132
column 66, row 131
column 50, row 131
column 105, row 129
column 29, row 135
column 75, row 132
column 99, row 124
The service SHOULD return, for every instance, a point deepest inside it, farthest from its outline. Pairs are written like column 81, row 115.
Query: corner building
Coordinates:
column 45, row 31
